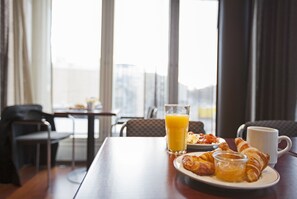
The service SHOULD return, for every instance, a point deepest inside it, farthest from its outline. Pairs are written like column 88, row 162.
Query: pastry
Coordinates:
column 257, row 160
column 204, row 164
column 198, row 165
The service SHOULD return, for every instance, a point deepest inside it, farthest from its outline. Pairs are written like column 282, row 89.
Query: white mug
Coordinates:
column 266, row 140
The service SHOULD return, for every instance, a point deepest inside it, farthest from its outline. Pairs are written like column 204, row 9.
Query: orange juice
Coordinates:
column 176, row 132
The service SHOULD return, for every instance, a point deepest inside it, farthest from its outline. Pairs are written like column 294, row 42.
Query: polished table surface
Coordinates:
column 133, row 167
column 91, row 114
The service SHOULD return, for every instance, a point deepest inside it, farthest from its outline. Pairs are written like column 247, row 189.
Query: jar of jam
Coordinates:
column 230, row 166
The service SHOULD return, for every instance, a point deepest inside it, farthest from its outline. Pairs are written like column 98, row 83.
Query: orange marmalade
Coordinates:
column 230, row 166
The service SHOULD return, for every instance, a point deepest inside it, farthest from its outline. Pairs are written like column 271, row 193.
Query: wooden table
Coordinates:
column 134, row 167
column 91, row 126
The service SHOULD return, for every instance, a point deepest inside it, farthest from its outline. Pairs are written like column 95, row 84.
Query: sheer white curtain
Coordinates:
column 30, row 61
column 41, row 52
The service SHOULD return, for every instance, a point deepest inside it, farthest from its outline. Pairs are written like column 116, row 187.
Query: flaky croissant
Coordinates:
column 257, row 160
column 198, row 165
column 204, row 164
column 224, row 146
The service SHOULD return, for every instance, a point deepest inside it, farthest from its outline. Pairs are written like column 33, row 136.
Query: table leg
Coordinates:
column 91, row 140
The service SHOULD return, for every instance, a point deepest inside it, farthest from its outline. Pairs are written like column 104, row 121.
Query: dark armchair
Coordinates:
column 8, row 170
column 32, row 137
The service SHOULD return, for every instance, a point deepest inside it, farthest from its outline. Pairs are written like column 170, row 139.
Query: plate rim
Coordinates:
column 217, row 183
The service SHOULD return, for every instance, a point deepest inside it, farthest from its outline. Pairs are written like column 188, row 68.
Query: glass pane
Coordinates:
column 198, row 59
column 76, row 34
column 140, row 55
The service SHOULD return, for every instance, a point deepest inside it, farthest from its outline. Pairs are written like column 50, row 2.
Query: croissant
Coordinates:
column 198, row 165
column 204, row 164
column 257, row 160
column 224, row 146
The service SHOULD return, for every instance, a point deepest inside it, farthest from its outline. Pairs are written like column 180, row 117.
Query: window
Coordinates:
column 76, row 36
column 140, row 54
column 76, row 42
column 141, row 42
column 198, row 59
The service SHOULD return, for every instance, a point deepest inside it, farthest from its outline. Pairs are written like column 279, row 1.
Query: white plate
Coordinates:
column 268, row 178
column 205, row 146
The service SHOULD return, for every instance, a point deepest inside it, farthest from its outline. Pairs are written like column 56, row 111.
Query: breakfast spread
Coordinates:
column 205, row 163
column 201, row 138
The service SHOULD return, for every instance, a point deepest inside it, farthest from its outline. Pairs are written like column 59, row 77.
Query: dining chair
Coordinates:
column 285, row 127
column 151, row 113
column 36, row 129
column 153, row 128
column 8, row 170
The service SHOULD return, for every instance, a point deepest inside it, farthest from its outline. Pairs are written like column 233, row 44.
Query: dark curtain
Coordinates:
column 235, row 20
column 272, row 46
column 3, row 52
column 277, row 63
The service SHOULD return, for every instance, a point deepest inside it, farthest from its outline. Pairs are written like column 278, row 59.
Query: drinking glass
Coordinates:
column 177, row 125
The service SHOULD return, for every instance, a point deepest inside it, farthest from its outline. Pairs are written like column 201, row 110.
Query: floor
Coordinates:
column 35, row 184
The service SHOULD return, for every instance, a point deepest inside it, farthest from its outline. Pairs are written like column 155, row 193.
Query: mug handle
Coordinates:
column 288, row 147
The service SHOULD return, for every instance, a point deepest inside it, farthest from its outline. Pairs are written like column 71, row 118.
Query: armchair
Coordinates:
column 34, row 133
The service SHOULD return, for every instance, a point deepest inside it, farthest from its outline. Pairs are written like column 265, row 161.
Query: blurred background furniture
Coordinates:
column 91, row 115
column 285, row 127
column 8, row 170
column 77, row 175
column 153, row 128
column 33, row 137
column 151, row 113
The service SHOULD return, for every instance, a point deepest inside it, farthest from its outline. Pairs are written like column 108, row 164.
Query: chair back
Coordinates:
column 152, row 112
column 285, row 127
column 154, row 127
column 144, row 128
column 196, row 127
column 18, row 112
column 39, row 115
column 32, row 114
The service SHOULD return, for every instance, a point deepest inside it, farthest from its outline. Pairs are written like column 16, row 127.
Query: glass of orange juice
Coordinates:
column 177, row 125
